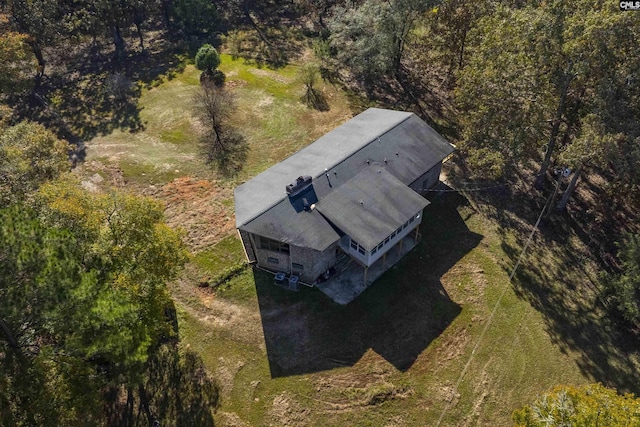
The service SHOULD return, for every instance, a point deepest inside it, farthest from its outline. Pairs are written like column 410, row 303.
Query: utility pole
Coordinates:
column 560, row 174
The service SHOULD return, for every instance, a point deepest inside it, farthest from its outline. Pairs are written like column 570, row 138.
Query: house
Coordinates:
column 345, row 201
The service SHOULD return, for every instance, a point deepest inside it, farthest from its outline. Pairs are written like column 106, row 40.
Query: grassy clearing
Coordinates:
column 166, row 148
column 270, row 114
column 394, row 355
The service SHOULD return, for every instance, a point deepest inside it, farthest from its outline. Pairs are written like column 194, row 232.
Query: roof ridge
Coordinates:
column 275, row 202
column 353, row 153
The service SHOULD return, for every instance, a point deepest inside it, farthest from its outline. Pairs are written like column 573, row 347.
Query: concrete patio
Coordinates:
column 350, row 282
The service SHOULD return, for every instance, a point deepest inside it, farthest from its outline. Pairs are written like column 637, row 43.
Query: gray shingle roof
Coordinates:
column 398, row 142
column 305, row 228
column 370, row 206
column 265, row 190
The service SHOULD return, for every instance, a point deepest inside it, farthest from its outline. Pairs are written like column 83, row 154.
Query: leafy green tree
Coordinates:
column 626, row 166
column 224, row 146
column 42, row 21
column 604, row 96
column 17, row 63
column 196, row 17
column 624, row 287
column 207, row 60
column 40, row 272
column 590, row 146
column 370, row 37
column 308, row 75
column 84, row 299
column 450, row 25
column 537, row 72
column 6, row 113
column 123, row 237
column 29, row 156
column 589, row 406
column 500, row 92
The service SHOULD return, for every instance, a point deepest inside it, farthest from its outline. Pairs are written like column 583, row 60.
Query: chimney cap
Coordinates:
column 300, row 184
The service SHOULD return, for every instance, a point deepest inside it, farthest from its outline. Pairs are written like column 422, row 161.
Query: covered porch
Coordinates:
column 354, row 277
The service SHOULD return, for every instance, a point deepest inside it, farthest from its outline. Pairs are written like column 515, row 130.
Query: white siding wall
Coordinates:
column 368, row 258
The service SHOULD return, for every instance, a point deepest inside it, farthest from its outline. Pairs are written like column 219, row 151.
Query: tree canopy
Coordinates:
column 83, row 284
column 196, row 16
column 17, row 63
column 589, row 406
column 30, row 155
column 207, row 60
column 536, row 74
column 370, row 37
column 624, row 286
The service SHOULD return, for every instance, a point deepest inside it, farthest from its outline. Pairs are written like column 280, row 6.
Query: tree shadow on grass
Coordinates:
column 558, row 276
column 273, row 46
column 91, row 94
column 397, row 317
column 97, row 104
column 315, row 99
column 177, row 388
column 555, row 282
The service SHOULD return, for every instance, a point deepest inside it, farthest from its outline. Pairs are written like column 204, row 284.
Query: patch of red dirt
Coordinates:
column 196, row 206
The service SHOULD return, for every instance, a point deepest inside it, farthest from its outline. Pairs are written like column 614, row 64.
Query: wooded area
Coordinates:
column 542, row 100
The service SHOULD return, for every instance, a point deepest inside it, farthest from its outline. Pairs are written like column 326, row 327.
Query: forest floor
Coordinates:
column 393, row 357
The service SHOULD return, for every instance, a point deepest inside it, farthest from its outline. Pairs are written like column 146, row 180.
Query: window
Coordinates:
column 412, row 219
column 297, row 266
column 273, row 260
column 405, row 225
column 399, row 230
column 380, row 246
column 361, row 250
column 392, row 235
column 386, row 240
column 273, row 245
column 374, row 250
column 354, row 245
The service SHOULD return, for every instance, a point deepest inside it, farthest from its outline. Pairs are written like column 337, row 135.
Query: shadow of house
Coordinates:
column 397, row 317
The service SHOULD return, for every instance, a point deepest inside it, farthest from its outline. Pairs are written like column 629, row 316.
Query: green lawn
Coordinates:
column 394, row 356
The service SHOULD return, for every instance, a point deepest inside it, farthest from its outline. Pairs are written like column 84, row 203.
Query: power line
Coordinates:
column 495, row 307
column 465, row 190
